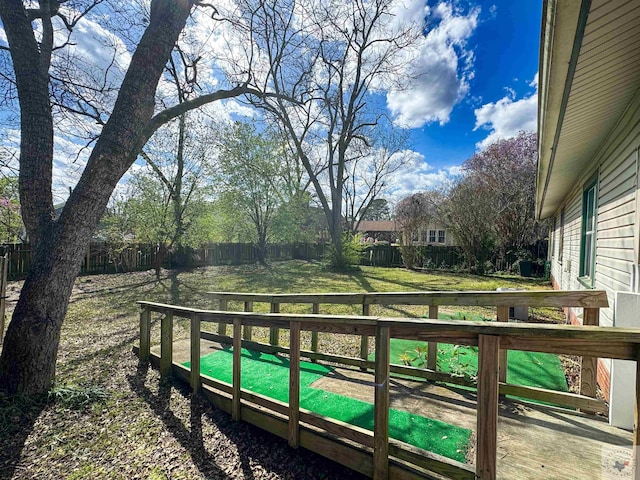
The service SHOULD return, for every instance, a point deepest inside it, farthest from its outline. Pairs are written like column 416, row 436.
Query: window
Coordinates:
column 414, row 236
column 432, row 236
column 440, row 236
column 588, row 244
column 424, row 236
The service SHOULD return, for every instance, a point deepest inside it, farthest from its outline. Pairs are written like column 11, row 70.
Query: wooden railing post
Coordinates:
column 636, row 426
column 314, row 335
column 4, row 269
column 381, row 405
column 364, row 339
column 503, row 316
column 222, row 327
column 166, row 344
column 274, row 332
column 432, row 347
column 487, row 407
column 589, row 365
column 145, row 334
column 237, row 360
column 294, row 384
column 195, row 352
column 246, row 331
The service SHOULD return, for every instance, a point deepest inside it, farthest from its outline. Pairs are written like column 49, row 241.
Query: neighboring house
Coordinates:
column 391, row 231
column 587, row 179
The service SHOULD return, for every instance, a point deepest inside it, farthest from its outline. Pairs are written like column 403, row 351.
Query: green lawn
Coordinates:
column 269, row 375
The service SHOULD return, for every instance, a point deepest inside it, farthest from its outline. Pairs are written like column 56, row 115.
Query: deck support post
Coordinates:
column 246, row 331
column 145, row 334
column 166, row 344
column 294, row 384
column 432, row 347
column 381, row 405
column 487, row 414
column 195, row 353
column 315, row 309
column 237, row 359
column 364, row 339
column 274, row 332
column 503, row 316
column 222, row 327
column 589, row 365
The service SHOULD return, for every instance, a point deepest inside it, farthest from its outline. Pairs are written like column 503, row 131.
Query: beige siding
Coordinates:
column 617, row 217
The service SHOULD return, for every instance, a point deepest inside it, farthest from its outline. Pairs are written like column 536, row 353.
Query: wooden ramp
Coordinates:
column 534, row 441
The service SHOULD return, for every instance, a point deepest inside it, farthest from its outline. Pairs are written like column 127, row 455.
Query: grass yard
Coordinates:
column 116, row 419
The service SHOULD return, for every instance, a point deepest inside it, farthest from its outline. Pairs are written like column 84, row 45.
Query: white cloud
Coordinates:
column 417, row 175
column 508, row 116
column 441, row 70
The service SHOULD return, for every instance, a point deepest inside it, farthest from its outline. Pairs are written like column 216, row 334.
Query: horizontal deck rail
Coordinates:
column 591, row 301
column 374, row 454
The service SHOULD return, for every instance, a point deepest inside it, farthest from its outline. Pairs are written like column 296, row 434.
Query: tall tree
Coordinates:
column 378, row 210
column 328, row 57
column 28, row 359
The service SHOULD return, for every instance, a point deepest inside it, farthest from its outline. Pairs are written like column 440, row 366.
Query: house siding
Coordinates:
column 616, row 166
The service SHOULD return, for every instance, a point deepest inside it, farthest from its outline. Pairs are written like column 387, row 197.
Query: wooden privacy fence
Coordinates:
column 591, row 301
column 374, row 453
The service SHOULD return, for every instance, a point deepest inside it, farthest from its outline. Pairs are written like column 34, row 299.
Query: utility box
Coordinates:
column 518, row 312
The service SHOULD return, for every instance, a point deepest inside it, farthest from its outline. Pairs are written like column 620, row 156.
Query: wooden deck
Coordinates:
column 534, row 441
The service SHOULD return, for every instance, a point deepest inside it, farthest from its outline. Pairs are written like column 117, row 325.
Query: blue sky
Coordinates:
column 501, row 95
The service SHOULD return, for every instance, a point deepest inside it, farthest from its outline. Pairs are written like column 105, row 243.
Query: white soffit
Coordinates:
column 606, row 78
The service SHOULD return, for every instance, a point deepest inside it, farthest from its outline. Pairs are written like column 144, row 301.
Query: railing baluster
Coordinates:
column 246, row 332
column 294, row 384
column 145, row 334
column 222, row 327
column 432, row 347
column 314, row 335
column 364, row 339
column 274, row 332
column 487, row 407
column 381, row 405
column 237, row 361
column 195, row 352
column 166, row 344
column 589, row 365
column 503, row 316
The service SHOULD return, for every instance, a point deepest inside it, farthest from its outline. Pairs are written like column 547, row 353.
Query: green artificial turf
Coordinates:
column 269, row 375
column 531, row 369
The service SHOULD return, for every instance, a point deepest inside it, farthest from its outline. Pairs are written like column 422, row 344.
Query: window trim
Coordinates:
column 587, row 278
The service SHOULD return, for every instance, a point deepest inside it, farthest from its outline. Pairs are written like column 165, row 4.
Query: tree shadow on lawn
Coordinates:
column 254, row 446
column 18, row 416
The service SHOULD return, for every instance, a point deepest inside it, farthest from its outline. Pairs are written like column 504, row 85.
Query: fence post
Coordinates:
column 487, row 407
column 222, row 327
column 4, row 269
column 503, row 316
column 166, row 344
column 195, row 352
column 237, row 359
column 589, row 365
column 145, row 334
column 314, row 335
column 246, row 332
column 432, row 347
column 381, row 405
column 294, row 384
column 274, row 332
column 364, row 339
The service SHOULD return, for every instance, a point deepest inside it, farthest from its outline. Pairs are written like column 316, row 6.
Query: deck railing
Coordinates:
column 590, row 301
column 374, row 454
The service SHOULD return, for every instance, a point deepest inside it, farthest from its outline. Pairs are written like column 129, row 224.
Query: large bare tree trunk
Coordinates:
column 27, row 363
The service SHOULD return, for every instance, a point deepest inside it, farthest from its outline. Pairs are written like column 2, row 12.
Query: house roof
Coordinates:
column 379, row 226
column 589, row 76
